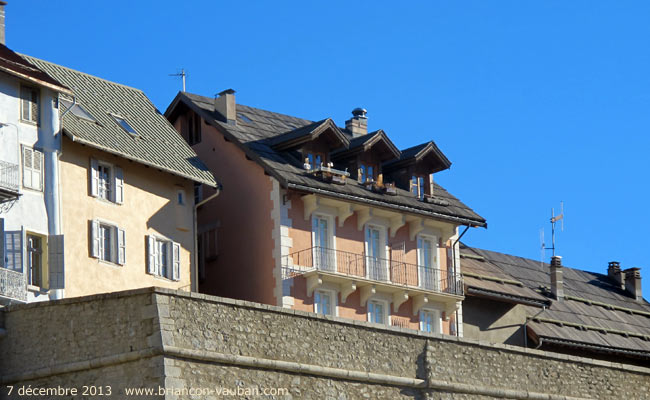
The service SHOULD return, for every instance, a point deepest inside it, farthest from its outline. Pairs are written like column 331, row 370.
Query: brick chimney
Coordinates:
column 633, row 282
column 2, row 22
column 614, row 272
column 358, row 124
column 557, row 287
column 225, row 105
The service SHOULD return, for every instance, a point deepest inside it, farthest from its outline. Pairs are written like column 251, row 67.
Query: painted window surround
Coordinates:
column 333, row 296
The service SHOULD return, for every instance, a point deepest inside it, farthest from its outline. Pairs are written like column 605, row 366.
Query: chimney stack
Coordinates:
column 225, row 105
column 358, row 124
column 2, row 22
column 557, row 287
column 614, row 272
column 633, row 282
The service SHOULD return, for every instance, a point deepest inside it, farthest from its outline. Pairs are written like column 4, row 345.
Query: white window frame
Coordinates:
column 435, row 265
column 115, row 181
column 117, row 242
column 386, row 315
column 30, row 90
column 384, row 250
column 332, row 294
column 42, row 266
column 32, row 176
column 436, row 320
column 173, row 257
column 331, row 239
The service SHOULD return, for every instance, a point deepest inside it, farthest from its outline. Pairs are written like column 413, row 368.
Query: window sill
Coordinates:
column 37, row 289
column 109, row 263
column 26, row 122
column 103, row 200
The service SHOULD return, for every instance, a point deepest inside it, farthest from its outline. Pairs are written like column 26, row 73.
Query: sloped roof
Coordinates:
column 595, row 312
column 307, row 133
column 254, row 132
column 157, row 143
column 14, row 64
column 365, row 142
column 418, row 152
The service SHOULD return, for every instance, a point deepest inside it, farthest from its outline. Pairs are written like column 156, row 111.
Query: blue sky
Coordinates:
column 533, row 102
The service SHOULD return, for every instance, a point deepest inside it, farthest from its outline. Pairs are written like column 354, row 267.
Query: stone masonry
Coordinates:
column 171, row 341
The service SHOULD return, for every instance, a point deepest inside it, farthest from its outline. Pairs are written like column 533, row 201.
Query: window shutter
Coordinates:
column 14, row 250
column 55, row 261
column 2, row 243
column 121, row 246
column 94, row 177
column 94, row 239
column 176, row 261
column 28, row 162
column 34, row 106
column 119, row 186
column 37, row 170
column 152, row 256
column 24, row 103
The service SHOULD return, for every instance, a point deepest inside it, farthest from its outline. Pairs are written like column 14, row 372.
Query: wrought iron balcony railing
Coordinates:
column 9, row 176
column 12, row 285
column 372, row 268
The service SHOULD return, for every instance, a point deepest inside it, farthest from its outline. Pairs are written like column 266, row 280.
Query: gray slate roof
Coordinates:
column 604, row 305
column 254, row 131
column 157, row 144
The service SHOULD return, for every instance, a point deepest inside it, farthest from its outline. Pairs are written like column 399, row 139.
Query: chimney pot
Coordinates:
column 614, row 272
column 633, row 282
column 358, row 124
column 224, row 104
column 557, row 286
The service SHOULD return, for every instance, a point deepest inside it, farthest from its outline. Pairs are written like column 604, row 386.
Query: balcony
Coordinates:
column 370, row 275
column 9, row 181
column 12, row 286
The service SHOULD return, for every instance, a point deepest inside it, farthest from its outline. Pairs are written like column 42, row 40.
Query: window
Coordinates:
column 377, row 312
column 12, row 257
column 417, row 186
column 78, row 111
column 427, row 262
column 108, row 242
column 194, row 131
column 430, row 321
column 180, row 197
column 315, row 160
column 163, row 258
column 32, row 168
column 324, row 302
column 35, row 260
column 124, row 125
column 198, row 192
column 322, row 238
column 377, row 265
column 366, row 173
column 29, row 104
column 106, row 181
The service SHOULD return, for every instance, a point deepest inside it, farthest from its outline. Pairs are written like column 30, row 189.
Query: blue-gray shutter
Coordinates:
column 176, row 261
column 121, row 246
column 119, row 186
column 152, row 255
column 94, row 239
column 94, row 177
column 56, row 261
column 2, row 243
column 14, row 250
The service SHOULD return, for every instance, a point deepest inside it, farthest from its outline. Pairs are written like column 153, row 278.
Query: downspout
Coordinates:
column 58, row 172
column 194, row 287
column 541, row 340
column 453, row 254
column 526, row 328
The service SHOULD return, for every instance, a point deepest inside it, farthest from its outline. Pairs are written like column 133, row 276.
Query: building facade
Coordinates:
column 331, row 220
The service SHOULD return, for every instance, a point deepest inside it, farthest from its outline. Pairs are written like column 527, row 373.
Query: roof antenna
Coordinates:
column 181, row 74
column 554, row 220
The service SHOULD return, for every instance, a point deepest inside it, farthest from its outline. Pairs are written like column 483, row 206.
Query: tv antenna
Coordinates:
column 182, row 74
column 554, row 220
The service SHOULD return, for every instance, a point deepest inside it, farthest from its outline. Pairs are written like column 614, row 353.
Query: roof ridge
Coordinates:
column 28, row 57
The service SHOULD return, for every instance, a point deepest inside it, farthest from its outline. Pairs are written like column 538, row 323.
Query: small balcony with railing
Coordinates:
column 370, row 275
column 13, row 286
column 9, row 181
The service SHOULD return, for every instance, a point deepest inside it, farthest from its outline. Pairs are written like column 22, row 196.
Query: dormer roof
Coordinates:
column 377, row 140
column 294, row 138
column 425, row 152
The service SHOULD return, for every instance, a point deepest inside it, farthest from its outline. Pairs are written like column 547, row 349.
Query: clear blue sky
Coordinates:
column 533, row 102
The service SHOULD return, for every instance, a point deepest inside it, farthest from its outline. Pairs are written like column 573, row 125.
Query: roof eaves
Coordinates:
column 594, row 347
column 88, row 143
column 506, row 296
column 362, row 200
column 60, row 89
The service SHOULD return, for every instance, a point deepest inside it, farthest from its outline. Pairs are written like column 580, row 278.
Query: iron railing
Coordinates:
column 395, row 272
column 9, row 176
column 12, row 285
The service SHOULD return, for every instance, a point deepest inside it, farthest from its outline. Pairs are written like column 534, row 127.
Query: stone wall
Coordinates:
column 176, row 340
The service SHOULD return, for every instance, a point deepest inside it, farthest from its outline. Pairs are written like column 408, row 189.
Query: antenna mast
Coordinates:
column 181, row 74
column 554, row 220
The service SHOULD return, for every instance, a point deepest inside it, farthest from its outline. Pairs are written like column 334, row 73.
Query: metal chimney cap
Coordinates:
column 360, row 112
column 227, row 91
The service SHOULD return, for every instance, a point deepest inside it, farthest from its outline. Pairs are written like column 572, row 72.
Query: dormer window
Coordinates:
column 315, row 160
column 417, row 186
column 367, row 173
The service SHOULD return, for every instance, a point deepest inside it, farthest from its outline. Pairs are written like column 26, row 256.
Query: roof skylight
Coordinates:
column 78, row 110
column 125, row 125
